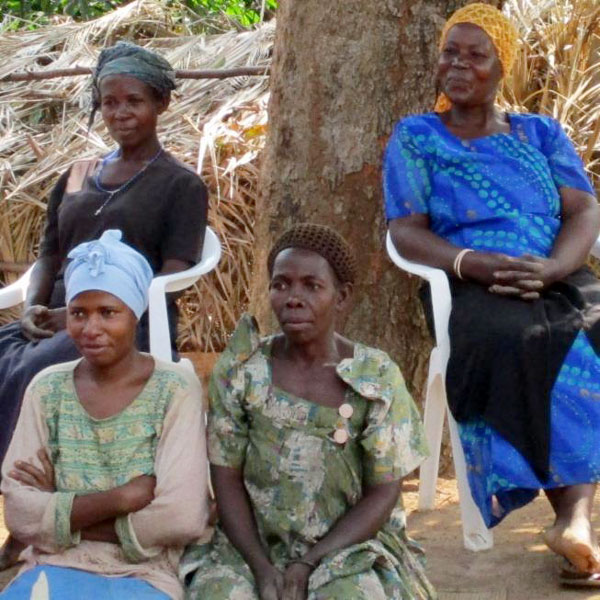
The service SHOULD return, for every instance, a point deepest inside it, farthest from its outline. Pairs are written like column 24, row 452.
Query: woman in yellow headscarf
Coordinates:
column 502, row 203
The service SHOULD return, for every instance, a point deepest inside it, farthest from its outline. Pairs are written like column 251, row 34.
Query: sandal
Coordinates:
column 571, row 576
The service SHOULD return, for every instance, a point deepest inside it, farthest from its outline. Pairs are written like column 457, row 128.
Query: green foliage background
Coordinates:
column 245, row 12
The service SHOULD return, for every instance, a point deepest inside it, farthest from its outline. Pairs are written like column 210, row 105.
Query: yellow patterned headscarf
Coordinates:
column 500, row 29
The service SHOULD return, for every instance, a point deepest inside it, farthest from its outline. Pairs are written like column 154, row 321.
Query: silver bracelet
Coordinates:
column 458, row 261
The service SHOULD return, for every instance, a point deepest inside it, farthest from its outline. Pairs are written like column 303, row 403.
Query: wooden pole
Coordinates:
column 180, row 74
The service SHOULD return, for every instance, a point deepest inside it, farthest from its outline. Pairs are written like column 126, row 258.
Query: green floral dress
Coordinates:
column 301, row 481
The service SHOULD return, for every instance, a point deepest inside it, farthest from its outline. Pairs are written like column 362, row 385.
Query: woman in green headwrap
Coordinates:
column 158, row 203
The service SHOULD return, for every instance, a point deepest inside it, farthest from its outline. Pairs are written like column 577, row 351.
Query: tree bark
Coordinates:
column 344, row 71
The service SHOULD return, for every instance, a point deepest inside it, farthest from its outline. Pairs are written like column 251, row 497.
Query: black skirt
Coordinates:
column 505, row 354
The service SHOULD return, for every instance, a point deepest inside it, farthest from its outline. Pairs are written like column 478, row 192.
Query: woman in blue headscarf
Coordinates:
column 117, row 486
column 158, row 203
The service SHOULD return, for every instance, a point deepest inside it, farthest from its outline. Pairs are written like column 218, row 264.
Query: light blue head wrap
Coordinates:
column 109, row 265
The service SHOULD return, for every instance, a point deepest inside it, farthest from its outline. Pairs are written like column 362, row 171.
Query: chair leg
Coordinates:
column 476, row 535
column 435, row 406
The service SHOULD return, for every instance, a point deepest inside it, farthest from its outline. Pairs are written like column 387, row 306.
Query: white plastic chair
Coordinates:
column 476, row 536
column 160, row 340
column 15, row 293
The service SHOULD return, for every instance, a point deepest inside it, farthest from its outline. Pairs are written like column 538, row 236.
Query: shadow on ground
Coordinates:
column 518, row 567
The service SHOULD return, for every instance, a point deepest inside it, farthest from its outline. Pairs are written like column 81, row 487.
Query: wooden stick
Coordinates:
column 181, row 74
column 14, row 267
column 222, row 73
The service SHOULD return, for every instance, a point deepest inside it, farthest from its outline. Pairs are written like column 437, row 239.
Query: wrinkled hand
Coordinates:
column 295, row 581
column 39, row 322
column 28, row 474
column 526, row 283
column 137, row 493
column 269, row 583
column 524, row 277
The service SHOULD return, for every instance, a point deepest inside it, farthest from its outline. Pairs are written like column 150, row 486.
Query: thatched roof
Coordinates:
column 557, row 71
column 221, row 124
column 217, row 124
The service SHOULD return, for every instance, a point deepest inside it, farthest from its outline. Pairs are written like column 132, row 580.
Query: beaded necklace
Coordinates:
column 112, row 193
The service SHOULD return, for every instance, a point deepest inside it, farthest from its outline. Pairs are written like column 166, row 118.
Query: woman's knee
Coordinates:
column 220, row 584
column 364, row 586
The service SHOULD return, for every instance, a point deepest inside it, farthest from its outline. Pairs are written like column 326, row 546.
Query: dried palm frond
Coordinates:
column 558, row 69
column 222, row 123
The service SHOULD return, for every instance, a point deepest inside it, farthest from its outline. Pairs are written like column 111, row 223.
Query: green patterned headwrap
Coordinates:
column 128, row 59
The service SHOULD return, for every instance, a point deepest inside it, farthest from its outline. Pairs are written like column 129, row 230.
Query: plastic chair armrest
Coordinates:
column 15, row 293
column 160, row 345
column 440, row 290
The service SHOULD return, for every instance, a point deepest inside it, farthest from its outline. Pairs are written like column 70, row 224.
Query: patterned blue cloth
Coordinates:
column 495, row 193
column 73, row 584
column 495, row 468
column 500, row 193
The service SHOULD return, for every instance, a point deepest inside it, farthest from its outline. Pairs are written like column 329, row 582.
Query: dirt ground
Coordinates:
column 518, row 567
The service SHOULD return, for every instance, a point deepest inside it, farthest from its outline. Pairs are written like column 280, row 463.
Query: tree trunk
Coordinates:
column 344, row 71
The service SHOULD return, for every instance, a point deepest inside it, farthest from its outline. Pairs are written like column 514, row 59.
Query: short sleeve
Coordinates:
column 393, row 440
column 227, row 421
column 186, row 221
column 565, row 164
column 50, row 244
column 406, row 178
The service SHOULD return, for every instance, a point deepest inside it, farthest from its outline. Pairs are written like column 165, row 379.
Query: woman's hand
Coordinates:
column 136, row 494
column 28, row 474
column 524, row 277
column 527, row 284
column 33, row 323
column 39, row 322
column 269, row 582
column 295, row 581
column 103, row 507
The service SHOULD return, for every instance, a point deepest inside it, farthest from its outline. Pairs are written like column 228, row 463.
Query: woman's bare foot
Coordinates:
column 9, row 553
column 576, row 542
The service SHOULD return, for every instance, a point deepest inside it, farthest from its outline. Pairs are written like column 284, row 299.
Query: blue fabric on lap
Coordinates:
column 73, row 584
column 496, row 468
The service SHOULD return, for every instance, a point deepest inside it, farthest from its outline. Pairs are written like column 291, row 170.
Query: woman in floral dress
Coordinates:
column 310, row 435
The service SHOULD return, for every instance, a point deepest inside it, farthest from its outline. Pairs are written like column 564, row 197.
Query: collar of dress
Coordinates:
column 368, row 372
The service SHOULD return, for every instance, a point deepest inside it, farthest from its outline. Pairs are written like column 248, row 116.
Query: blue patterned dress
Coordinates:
column 500, row 193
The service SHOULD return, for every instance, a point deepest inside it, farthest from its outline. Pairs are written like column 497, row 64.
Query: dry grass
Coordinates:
column 558, row 69
column 217, row 124
column 221, row 125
